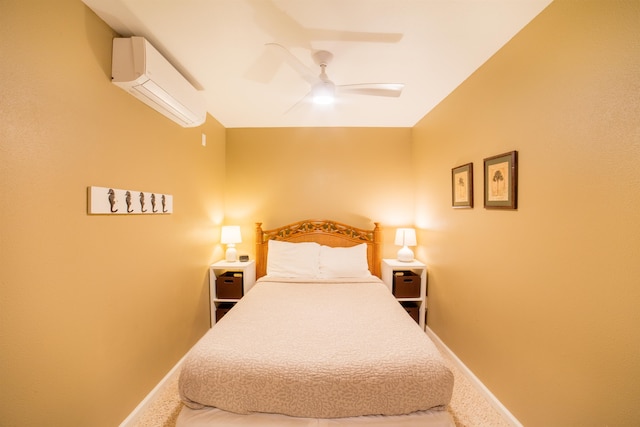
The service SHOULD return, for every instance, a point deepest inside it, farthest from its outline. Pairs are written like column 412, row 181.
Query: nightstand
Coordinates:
column 229, row 274
column 408, row 282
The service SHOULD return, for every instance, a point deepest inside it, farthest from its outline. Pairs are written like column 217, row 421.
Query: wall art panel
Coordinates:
column 114, row 201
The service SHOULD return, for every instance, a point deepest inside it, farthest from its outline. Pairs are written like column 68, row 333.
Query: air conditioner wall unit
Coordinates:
column 138, row 68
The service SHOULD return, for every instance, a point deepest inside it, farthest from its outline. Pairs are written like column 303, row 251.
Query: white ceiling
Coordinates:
column 219, row 45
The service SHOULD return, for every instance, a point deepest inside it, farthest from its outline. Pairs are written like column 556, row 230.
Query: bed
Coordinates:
column 318, row 341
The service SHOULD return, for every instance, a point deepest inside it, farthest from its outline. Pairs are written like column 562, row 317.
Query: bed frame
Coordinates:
column 324, row 232
column 333, row 234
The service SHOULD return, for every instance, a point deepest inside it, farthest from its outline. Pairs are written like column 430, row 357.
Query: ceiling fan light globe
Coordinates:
column 324, row 93
column 323, row 99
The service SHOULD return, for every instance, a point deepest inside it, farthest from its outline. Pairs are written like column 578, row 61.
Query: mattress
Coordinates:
column 316, row 349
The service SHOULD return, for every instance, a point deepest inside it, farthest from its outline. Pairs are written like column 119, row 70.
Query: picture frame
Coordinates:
column 501, row 181
column 462, row 186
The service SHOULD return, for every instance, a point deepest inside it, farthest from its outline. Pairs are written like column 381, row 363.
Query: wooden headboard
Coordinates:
column 329, row 233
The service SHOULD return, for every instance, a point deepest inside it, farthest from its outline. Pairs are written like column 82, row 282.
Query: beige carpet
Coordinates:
column 468, row 407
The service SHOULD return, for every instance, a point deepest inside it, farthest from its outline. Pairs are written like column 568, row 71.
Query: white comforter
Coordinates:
column 319, row 350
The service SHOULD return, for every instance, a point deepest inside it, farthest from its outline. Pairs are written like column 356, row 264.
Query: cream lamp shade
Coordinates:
column 405, row 237
column 230, row 236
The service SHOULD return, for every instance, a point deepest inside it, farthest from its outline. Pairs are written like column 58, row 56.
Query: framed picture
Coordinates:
column 462, row 186
column 501, row 181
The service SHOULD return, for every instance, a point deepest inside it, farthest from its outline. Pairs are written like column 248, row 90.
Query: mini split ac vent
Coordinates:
column 141, row 70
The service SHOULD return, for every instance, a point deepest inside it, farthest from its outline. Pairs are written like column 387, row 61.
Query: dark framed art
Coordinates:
column 501, row 181
column 462, row 186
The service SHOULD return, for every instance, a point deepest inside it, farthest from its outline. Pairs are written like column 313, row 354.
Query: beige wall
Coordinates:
column 353, row 175
column 543, row 304
column 94, row 310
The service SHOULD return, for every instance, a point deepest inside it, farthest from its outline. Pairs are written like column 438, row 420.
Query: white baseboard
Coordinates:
column 134, row 416
column 477, row 384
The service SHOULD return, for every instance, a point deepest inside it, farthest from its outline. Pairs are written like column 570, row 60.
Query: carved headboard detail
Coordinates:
column 324, row 232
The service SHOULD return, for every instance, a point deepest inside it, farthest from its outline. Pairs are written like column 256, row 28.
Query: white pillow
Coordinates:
column 344, row 262
column 286, row 259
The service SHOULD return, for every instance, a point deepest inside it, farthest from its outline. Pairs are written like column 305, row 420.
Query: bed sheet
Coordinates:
column 216, row 417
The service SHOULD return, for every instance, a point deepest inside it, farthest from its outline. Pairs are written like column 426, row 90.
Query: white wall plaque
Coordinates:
column 114, row 201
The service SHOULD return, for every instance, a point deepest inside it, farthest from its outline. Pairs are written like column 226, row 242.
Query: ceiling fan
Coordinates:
column 323, row 90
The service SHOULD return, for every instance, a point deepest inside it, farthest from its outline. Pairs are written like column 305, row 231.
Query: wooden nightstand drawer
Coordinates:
column 413, row 309
column 406, row 284
column 222, row 309
column 229, row 285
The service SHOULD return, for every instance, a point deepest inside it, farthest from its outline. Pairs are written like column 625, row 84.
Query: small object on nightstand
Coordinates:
column 244, row 258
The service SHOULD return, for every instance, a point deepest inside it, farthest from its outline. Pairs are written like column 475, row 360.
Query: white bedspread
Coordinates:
column 318, row 350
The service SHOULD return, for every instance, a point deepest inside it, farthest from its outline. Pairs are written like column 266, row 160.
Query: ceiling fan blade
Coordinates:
column 304, row 71
column 373, row 89
column 305, row 99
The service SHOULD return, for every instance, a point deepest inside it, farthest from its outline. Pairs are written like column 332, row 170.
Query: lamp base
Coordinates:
column 231, row 255
column 405, row 254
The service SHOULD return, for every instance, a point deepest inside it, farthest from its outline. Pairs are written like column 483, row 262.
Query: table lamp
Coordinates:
column 405, row 237
column 230, row 235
